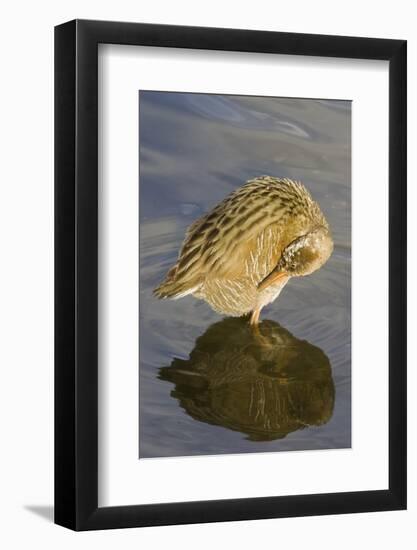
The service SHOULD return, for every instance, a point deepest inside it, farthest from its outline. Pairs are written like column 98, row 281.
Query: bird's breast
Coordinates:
column 229, row 296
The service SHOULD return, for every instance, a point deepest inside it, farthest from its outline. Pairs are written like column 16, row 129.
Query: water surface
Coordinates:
column 207, row 384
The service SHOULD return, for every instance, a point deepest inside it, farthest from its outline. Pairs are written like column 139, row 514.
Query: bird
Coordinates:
column 239, row 256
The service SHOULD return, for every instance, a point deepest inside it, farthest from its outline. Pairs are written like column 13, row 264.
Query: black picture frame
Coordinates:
column 76, row 272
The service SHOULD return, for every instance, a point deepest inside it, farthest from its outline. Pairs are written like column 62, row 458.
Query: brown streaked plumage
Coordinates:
column 239, row 256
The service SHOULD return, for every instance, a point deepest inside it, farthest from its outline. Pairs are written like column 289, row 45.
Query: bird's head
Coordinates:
column 307, row 253
column 302, row 256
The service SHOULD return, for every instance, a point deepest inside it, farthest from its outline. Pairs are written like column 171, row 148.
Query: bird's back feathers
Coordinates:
column 248, row 227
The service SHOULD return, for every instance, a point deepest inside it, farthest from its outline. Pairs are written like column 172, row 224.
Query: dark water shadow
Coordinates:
column 45, row 512
column 264, row 385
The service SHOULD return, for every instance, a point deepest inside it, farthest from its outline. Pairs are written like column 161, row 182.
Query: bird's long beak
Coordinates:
column 274, row 277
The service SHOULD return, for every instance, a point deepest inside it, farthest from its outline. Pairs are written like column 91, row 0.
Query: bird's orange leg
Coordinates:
column 254, row 320
column 259, row 338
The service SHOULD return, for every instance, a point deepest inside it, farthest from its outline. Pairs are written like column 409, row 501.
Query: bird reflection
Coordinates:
column 265, row 385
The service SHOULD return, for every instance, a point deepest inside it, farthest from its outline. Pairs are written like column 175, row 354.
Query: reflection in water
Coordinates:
column 265, row 385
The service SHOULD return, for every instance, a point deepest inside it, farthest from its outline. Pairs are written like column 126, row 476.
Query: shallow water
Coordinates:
column 208, row 385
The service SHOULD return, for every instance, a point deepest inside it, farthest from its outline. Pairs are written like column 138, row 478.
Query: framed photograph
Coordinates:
column 230, row 252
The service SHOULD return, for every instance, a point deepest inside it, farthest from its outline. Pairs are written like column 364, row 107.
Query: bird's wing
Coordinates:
column 228, row 241
column 230, row 245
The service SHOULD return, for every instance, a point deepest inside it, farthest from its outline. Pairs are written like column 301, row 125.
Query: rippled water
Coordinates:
column 209, row 385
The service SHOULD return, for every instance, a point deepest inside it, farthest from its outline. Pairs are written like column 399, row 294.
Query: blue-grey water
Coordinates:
column 207, row 384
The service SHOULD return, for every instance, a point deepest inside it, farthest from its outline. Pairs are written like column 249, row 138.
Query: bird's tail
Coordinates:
column 174, row 288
